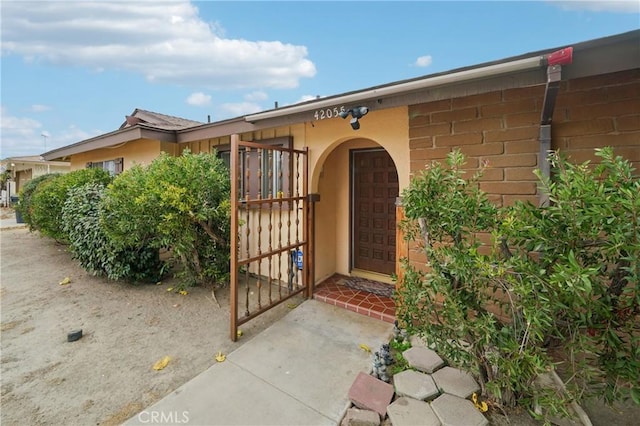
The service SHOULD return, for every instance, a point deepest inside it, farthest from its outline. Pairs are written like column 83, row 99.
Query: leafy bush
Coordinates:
column 180, row 203
column 588, row 264
column 25, row 201
column 49, row 197
column 92, row 248
column 568, row 273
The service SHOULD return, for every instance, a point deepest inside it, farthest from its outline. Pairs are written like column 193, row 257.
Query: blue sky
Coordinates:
column 72, row 69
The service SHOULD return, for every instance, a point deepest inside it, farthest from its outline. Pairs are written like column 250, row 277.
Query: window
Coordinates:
column 114, row 167
column 262, row 170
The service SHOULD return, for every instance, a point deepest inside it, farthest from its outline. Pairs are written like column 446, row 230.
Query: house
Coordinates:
column 140, row 139
column 23, row 169
column 324, row 176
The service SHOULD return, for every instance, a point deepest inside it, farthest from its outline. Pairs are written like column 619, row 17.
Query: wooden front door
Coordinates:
column 374, row 189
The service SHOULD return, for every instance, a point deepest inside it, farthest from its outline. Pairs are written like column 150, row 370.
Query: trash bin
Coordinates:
column 14, row 204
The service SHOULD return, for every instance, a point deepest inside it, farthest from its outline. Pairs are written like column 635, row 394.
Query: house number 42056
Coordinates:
column 321, row 114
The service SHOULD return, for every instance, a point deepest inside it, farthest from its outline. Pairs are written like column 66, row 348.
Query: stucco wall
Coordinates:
column 329, row 142
column 141, row 151
column 31, row 170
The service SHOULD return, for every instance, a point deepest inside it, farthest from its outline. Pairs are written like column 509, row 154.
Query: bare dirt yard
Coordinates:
column 107, row 376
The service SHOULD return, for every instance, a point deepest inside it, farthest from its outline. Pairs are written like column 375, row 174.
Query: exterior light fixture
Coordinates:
column 356, row 113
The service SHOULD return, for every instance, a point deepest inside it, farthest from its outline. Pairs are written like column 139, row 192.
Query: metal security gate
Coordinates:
column 271, row 253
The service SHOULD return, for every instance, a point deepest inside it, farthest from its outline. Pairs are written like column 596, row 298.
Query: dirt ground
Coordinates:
column 105, row 377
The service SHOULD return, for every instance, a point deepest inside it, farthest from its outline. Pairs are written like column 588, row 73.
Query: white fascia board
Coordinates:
column 456, row 77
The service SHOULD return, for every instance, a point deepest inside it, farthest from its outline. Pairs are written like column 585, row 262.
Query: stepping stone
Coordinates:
column 411, row 412
column 416, row 385
column 357, row 417
column 418, row 342
column 423, row 359
column 369, row 393
column 456, row 411
column 455, row 382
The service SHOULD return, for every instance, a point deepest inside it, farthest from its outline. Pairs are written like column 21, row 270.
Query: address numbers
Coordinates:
column 321, row 114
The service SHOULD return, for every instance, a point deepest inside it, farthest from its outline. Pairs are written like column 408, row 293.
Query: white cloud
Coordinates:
column 619, row 6
column 167, row 42
column 256, row 96
column 22, row 136
column 199, row 99
column 39, row 108
column 424, row 61
column 240, row 108
column 71, row 134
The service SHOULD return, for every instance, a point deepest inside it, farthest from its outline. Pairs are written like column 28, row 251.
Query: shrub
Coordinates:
column 588, row 264
column 49, row 197
column 92, row 248
column 567, row 273
column 25, row 202
column 180, row 203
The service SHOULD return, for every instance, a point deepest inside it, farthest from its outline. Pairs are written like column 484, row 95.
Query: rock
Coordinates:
column 369, row 393
column 455, row 382
column 357, row 417
column 416, row 385
column 456, row 411
column 423, row 359
column 410, row 412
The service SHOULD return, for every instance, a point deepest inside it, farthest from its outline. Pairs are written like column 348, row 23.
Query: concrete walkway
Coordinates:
column 296, row 372
column 11, row 223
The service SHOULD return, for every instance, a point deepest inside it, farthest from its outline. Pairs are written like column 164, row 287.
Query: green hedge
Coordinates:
column 92, row 248
column 50, row 195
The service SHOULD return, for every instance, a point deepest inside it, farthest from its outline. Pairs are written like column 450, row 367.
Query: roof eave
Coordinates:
column 110, row 139
column 597, row 57
column 223, row 128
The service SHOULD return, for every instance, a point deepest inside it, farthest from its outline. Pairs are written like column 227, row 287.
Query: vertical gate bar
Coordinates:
column 270, row 226
column 291, row 205
column 306, row 255
column 259, row 249
column 234, row 239
column 280, row 195
column 247, row 182
column 298, row 209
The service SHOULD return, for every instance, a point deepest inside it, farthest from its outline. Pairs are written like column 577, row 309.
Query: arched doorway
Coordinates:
column 373, row 191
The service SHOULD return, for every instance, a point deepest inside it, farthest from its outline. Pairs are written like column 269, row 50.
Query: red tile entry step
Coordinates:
column 332, row 292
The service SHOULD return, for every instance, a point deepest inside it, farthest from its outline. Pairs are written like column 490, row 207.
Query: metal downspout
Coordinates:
column 554, row 68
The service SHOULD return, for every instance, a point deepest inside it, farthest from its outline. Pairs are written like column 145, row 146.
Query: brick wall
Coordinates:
column 502, row 129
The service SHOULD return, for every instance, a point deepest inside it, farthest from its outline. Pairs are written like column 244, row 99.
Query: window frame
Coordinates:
column 284, row 163
column 118, row 165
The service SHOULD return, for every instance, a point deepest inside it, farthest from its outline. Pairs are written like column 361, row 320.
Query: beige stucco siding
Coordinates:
column 388, row 128
column 141, row 151
column 329, row 143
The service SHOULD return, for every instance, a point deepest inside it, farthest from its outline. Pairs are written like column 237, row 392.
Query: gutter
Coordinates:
column 554, row 70
column 112, row 138
column 439, row 80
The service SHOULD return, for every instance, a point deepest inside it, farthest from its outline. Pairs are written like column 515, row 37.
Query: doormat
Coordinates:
column 363, row 284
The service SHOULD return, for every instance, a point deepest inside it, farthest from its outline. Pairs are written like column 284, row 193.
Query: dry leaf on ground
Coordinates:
column 162, row 363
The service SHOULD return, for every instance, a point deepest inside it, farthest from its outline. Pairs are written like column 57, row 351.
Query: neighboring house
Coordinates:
column 23, row 169
column 508, row 113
